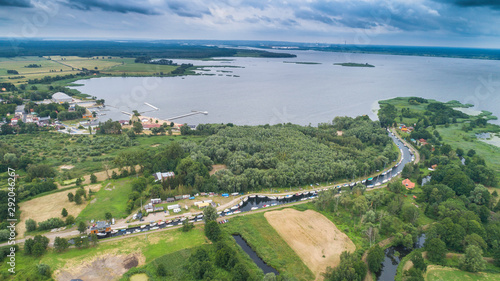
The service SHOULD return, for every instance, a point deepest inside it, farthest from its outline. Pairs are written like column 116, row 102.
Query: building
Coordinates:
column 163, row 176
column 203, row 205
column 61, row 97
column 156, row 201
column 100, row 227
column 408, row 184
column 43, row 121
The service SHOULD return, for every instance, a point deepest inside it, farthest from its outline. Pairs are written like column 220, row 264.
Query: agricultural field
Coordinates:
column 49, row 206
column 269, row 245
column 314, row 238
column 439, row 273
column 63, row 65
column 112, row 197
column 45, row 68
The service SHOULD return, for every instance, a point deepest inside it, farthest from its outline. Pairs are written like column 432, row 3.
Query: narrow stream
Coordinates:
column 391, row 261
column 253, row 255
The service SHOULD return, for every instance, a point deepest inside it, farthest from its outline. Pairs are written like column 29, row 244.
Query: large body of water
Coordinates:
column 250, row 91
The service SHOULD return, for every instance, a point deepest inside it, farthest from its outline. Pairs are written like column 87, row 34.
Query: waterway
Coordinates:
column 249, row 204
column 257, row 91
column 391, row 261
column 253, row 255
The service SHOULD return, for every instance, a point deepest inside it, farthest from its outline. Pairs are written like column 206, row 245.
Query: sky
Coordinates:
column 457, row 23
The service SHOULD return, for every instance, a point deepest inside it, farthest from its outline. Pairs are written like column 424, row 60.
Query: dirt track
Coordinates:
column 315, row 239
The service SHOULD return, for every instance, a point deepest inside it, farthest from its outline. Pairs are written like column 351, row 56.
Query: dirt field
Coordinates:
column 217, row 167
column 315, row 239
column 49, row 206
column 106, row 267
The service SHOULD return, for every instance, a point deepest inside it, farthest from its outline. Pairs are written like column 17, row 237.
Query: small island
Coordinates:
column 353, row 64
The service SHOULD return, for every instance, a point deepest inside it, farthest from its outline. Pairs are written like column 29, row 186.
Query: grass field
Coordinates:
column 49, row 206
column 268, row 244
column 441, row 273
column 316, row 240
column 457, row 138
column 111, row 199
column 95, row 259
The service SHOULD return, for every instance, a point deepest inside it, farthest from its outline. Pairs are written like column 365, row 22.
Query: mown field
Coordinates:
column 268, row 244
column 441, row 273
column 112, row 197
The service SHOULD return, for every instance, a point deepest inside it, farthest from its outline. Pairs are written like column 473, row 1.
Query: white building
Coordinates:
column 61, row 97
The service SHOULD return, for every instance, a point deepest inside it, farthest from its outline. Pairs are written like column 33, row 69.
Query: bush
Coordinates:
column 44, row 270
column 30, row 225
column 51, row 223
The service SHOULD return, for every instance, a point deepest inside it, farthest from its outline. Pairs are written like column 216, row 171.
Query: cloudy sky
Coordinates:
column 463, row 23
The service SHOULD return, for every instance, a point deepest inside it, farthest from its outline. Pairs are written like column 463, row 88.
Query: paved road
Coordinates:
column 123, row 222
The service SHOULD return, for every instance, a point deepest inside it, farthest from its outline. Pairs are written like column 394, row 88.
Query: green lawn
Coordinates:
column 441, row 273
column 157, row 245
column 113, row 201
column 268, row 244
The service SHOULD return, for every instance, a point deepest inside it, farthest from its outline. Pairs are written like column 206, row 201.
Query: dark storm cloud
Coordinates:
column 113, row 6
column 494, row 4
column 188, row 9
column 16, row 3
column 400, row 15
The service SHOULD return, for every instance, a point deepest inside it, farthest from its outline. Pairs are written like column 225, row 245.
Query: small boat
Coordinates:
column 252, row 196
column 370, row 186
column 226, row 210
column 272, row 197
column 358, row 182
column 229, row 213
column 241, row 203
column 280, row 197
column 170, row 225
column 352, row 184
column 274, row 204
column 304, row 199
column 143, row 226
column 370, row 179
column 235, row 207
column 305, row 193
column 265, row 206
column 128, row 232
column 384, row 181
column 154, row 228
column 346, row 185
column 377, row 184
column 289, row 196
column 152, row 224
column 161, row 223
column 245, row 199
column 237, row 212
column 199, row 216
column 298, row 194
column 262, row 196
column 219, row 213
column 100, row 234
column 183, row 219
column 363, row 181
column 137, row 230
column 114, row 231
column 254, row 208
